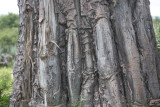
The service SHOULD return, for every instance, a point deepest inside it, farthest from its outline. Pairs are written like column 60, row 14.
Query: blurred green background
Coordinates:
column 8, row 44
column 156, row 26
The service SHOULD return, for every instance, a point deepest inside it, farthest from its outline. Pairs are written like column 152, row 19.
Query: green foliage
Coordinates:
column 9, row 21
column 6, row 82
column 8, row 36
column 8, row 39
column 8, row 33
column 156, row 25
column 8, row 42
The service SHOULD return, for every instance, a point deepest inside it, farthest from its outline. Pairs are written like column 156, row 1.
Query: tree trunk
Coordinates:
column 85, row 53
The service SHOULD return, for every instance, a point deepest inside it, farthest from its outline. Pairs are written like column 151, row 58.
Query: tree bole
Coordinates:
column 85, row 53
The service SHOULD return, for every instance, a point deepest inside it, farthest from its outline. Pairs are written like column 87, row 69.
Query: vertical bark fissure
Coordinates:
column 119, row 60
column 88, row 59
column 88, row 72
column 27, row 73
column 63, row 62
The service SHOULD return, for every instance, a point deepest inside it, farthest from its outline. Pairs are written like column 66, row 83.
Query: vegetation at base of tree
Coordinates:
column 6, row 82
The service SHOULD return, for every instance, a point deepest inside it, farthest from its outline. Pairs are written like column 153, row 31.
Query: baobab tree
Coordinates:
column 85, row 53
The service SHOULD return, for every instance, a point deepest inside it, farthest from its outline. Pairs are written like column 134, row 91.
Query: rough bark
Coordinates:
column 87, row 53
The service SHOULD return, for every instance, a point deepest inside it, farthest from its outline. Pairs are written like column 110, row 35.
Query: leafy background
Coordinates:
column 156, row 26
column 8, row 43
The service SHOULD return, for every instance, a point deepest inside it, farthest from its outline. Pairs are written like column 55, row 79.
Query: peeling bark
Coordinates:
column 86, row 53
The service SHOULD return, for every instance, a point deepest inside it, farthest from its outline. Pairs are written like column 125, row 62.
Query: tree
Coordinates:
column 87, row 53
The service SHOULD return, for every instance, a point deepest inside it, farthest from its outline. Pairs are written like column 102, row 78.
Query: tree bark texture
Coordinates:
column 85, row 53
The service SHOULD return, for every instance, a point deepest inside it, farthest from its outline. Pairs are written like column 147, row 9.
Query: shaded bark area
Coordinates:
column 86, row 53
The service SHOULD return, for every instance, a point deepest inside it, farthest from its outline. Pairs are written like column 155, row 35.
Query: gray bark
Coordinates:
column 86, row 53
